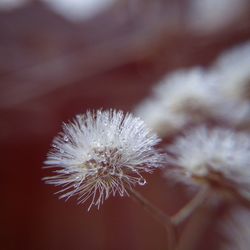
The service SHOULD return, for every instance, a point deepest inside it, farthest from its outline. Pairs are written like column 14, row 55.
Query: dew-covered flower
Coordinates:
column 236, row 230
column 218, row 155
column 102, row 153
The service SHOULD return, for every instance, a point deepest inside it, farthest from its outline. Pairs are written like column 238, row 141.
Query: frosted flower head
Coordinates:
column 183, row 97
column 233, row 74
column 100, row 154
column 183, row 86
column 210, row 154
column 159, row 118
column 186, row 93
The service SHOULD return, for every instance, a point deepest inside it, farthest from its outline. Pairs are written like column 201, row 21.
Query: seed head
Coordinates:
column 233, row 74
column 217, row 153
column 181, row 98
column 101, row 153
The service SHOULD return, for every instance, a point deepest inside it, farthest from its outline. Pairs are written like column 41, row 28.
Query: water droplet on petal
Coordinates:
column 61, row 151
column 142, row 181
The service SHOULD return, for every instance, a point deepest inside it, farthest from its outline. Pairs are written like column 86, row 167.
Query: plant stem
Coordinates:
column 190, row 207
column 159, row 215
column 200, row 222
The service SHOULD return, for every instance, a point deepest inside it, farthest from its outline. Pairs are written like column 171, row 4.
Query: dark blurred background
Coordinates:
column 56, row 62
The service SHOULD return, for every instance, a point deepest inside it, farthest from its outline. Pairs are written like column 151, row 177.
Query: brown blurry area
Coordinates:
column 50, row 70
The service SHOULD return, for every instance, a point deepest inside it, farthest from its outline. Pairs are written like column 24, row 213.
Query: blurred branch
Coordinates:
column 199, row 223
column 159, row 215
column 191, row 207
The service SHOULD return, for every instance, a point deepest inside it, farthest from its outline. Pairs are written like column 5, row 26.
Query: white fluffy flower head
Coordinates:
column 232, row 72
column 183, row 97
column 100, row 154
column 202, row 152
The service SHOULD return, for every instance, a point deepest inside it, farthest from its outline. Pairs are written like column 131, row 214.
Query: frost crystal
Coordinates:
column 100, row 154
column 203, row 152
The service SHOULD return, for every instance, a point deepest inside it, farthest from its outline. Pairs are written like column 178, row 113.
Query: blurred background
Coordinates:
column 63, row 57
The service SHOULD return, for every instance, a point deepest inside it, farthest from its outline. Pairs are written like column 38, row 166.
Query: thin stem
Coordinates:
column 190, row 207
column 200, row 222
column 159, row 215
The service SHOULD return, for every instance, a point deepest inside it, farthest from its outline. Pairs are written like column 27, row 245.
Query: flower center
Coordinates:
column 104, row 161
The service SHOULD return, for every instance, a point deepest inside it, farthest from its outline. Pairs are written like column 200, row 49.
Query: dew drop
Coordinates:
column 142, row 181
column 65, row 138
column 61, row 151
